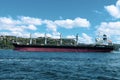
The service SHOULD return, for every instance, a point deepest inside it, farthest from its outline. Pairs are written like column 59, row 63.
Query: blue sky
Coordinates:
column 68, row 17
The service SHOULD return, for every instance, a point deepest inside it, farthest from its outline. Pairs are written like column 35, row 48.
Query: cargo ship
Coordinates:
column 99, row 46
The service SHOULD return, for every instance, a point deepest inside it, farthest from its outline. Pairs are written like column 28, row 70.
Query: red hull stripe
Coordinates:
column 60, row 50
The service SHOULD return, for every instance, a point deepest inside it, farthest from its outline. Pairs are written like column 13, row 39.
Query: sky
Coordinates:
column 88, row 18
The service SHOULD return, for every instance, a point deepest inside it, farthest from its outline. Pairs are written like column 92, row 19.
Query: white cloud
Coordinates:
column 71, row 36
column 9, row 24
column 22, row 24
column 69, row 23
column 80, row 22
column 9, row 21
column 112, row 29
column 84, row 38
column 114, row 10
column 10, row 27
column 50, row 25
column 32, row 27
column 30, row 20
column 19, row 25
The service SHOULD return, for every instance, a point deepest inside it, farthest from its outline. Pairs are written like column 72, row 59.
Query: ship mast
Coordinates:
column 45, row 39
column 77, row 39
column 60, row 39
column 30, row 39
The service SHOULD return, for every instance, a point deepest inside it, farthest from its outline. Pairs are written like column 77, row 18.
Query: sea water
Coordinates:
column 15, row 65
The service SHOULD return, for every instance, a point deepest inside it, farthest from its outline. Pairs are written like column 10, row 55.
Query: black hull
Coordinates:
column 64, row 48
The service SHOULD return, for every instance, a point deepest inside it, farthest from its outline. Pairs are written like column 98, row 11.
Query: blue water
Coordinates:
column 16, row 65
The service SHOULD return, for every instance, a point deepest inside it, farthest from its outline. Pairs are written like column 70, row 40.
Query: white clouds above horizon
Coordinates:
column 30, row 20
column 77, row 22
column 112, row 29
column 86, row 38
column 83, row 38
column 68, row 23
column 21, row 24
column 114, row 10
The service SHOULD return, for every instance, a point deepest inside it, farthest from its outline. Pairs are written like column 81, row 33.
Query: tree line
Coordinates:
column 7, row 41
